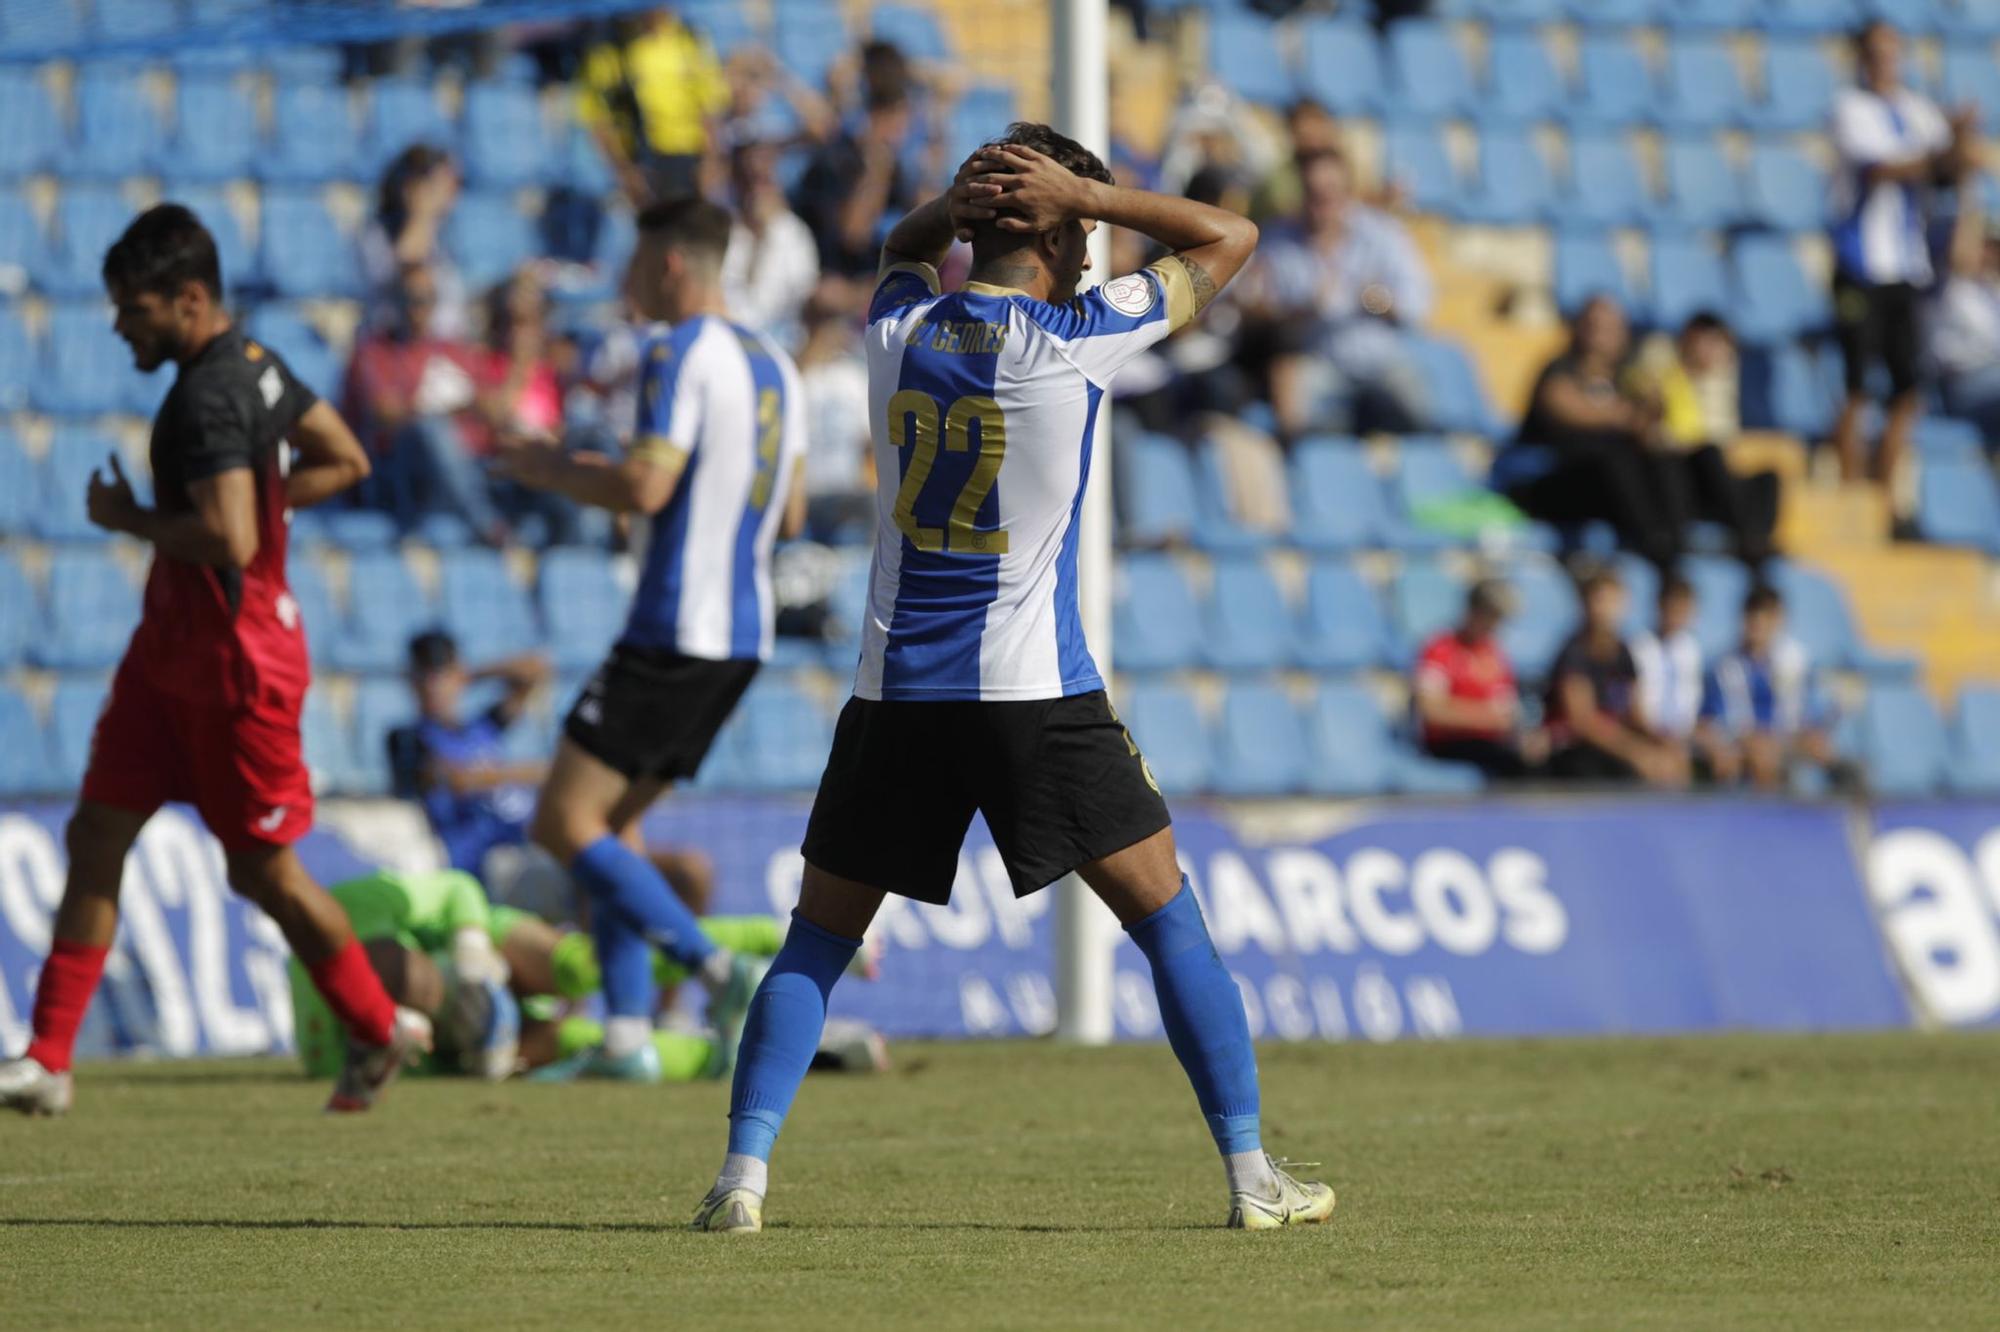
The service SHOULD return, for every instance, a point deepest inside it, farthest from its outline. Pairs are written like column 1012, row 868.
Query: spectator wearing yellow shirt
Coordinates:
column 649, row 96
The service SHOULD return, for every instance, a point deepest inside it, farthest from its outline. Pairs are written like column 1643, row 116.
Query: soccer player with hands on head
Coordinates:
column 976, row 690
column 205, row 705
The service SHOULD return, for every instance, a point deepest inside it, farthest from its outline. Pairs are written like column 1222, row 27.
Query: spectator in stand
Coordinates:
column 412, row 202
column 1333, row 294
column 1214, row 128
column 1669, row 660
column 858, row 179
column 521, row 394
column 1965, row 325
column 755, row 78
column 1693, row 385
column 1596, row 718
column 1467, row 702
column 773, row 262
column 416, row 400
column 1310, row 129
column 1894, row 147
column 650, row 95
column 840, row 453
column 1760, row 714
column 1584, row 451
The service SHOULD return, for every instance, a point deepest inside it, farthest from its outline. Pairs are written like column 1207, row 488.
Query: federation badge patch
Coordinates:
column 1130, row 295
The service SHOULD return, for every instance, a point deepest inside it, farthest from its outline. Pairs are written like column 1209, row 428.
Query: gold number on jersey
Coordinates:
column 914, row 424
column 769, row 425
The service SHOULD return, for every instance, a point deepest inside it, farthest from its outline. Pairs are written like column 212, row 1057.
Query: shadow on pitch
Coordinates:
column 553, row 1227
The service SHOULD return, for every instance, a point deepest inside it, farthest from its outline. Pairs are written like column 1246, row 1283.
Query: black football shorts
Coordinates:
column 655, row 714
column 1060, row 781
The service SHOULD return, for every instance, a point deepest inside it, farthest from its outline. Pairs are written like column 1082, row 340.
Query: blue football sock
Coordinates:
column 625, row 883
column 625, row 962
column 1203, row 1013
column 781, row 1033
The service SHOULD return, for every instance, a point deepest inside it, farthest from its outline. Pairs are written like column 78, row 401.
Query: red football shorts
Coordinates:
column 243, row 768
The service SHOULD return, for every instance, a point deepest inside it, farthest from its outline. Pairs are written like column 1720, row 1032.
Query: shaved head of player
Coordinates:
column 976, row 692
column 676, row 268
column 206, row 703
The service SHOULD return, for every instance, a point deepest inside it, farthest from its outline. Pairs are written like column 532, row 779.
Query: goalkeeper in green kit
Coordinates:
column 495, row 979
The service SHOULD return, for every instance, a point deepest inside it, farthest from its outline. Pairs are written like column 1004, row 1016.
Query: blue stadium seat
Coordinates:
column 1342, row 67
column 211, row 204
column 1903, row 742
column 93, row 606
column 1546, row 613
column 1516, row 12
column 1959, row 505
column 1154, row 619
column 1260, row 746
column 1516, row 186
column 1818, row 616
column 313, row 138
column 786, row 734
column 385, row 609
column 1798, row 88
column 1432, row 78
column 119, row 131
column 34, row 131
column 1614, row 13
column 1587, row 264
column 20, row 489
column 1423, row 600
column 1416, row 160
column 1782, row 390
column 87, row 370
column 913, row 29
column 1337, row 502
column 24, row 761
column 1947, row 439
column 1156, row 490
column 1247, row 625
column 808, row 39
column 131, row 20
column 1975, row 19
column 1972, row 75
column 306, row 578
column 1784, row 191
column 484, row 608
column 1702, row 188
column 1524, row 82
column 1702, row 89
column 1774, row 299
column 358, row 529
column 304, row 253
column 490, row 237
column 728, row 28
column 1216, row 526
column 1616, row 86
column 1605, row 187
column 1719, row 588
column 17, row 364
column 300, row 344
column 507, row 142
column 74, row 454
column 1343, row 628
column 214, row 136
column 72, row 721
column 329, row 748
column 399, row 113
column 87, row 219
column 1687, row 275
column 1711, row 14
column 1457, row 397
column 1244, row 56
column 583, row 605
column 1914, row 17
column 1167, row 726
column 20, row 612
column 24, row 251
column 1351, row 753
column 1811, row 16
column 380, row 706
column 1975, row 742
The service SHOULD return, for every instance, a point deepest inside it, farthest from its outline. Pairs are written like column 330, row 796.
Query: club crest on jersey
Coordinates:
column 270, row 386
column 1130, row 295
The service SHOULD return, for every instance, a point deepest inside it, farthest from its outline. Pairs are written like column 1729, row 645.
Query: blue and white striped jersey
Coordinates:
column 722, row 402
column 1878, row 231
column 985, row 404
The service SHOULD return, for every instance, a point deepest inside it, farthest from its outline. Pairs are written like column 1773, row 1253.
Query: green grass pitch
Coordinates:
column 1730, row 1182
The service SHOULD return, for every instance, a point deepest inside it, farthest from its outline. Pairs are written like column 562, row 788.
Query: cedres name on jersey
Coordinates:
column 984, row 406
column 206, row 628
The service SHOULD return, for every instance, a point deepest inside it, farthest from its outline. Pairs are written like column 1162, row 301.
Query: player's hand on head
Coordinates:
column 1037, row 193
column 110, row 503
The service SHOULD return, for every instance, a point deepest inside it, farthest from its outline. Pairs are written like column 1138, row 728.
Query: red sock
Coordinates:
column 354, row 992
column 69, row 978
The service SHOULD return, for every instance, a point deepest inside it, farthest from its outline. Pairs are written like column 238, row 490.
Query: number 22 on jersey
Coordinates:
column 917, row 422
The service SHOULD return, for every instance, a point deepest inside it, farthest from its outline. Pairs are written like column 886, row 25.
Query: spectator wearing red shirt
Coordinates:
column 1468, row 704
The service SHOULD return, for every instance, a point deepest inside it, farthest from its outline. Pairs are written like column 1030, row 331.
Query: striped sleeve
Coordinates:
column 669, row 400
column 902, row 285
column 1109, row 325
